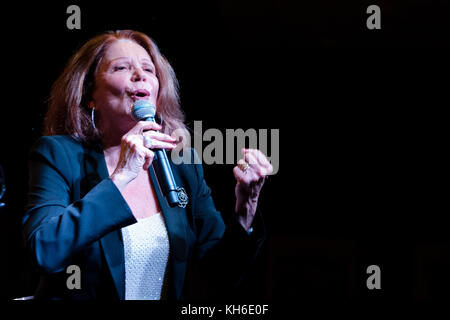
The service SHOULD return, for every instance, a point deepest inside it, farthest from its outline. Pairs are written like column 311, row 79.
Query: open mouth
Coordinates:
column 140, row 94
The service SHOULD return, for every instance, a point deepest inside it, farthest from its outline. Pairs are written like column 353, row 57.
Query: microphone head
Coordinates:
column 143, row 110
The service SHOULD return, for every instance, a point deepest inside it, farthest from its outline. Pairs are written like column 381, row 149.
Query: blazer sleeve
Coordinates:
column 224, row 251
column 55, row 225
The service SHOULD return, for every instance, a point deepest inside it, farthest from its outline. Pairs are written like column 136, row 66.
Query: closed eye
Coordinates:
column 120, row 68
column 149, row 69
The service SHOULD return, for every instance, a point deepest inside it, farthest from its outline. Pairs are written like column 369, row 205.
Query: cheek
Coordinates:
column 116, row 85
column 110, row 86
column 155, row 86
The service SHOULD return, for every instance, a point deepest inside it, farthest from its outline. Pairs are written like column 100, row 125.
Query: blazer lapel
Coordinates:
column 176, row 223
column 112, row 243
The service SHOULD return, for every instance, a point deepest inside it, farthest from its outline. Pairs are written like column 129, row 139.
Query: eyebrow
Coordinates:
column 123, row 58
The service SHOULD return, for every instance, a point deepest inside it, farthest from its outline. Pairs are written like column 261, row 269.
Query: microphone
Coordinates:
column 143, row 110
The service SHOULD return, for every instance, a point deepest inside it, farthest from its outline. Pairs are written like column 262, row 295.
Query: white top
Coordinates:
column 146, row 250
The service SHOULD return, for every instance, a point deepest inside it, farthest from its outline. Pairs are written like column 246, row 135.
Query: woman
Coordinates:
column 94, row 203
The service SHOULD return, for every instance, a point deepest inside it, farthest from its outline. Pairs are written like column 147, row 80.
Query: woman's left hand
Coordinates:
column 250, row 174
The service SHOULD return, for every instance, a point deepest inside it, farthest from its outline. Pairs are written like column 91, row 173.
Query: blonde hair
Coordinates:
column 68, row 111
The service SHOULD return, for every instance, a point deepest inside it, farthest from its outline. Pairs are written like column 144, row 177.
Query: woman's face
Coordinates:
column 125, row 74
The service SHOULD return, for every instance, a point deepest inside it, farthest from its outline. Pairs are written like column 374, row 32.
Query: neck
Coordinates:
column 114, row 129
column 111, row 140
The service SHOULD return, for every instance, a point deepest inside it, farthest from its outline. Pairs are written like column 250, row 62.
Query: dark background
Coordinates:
column 363, row 173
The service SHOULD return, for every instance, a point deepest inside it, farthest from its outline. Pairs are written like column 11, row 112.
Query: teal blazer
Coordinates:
column 75, row 213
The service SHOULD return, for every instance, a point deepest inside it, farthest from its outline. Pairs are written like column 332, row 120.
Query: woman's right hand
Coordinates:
column 135, row 153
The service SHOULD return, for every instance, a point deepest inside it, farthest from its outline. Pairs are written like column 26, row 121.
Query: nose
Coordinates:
column 139, row 75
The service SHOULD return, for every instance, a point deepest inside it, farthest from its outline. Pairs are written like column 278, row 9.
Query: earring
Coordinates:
column 92, row 117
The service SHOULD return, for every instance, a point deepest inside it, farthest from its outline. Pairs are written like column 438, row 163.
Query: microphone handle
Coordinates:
column 165, row 177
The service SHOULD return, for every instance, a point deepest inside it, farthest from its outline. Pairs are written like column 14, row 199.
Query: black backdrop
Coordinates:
column 363, row 175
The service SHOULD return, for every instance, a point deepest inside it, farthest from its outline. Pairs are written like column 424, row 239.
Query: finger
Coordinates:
column 246, row 178
column 137, row 147
column 141, row 126
column 241, row 162
column 262, row 161
column 132, row 140
column 239, row 175
column 256, row 166
column 156, row 144
column 248, row 158
column 141, row 152
column 251, row 160
column 243, row 165
column 159, row 136
column 148, row 158
column 260, row 157
column 251, row 173
column 151, row 143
